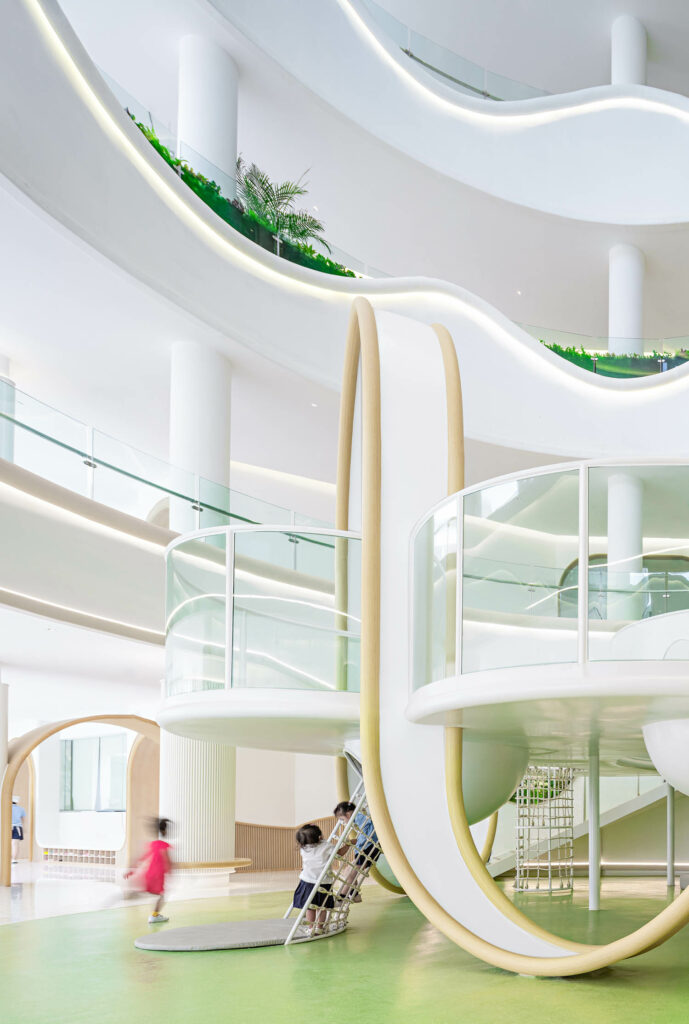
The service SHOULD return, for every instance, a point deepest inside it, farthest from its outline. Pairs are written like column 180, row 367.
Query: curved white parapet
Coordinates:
column 544, row 655
column 582, row 154
column 270, row 719
column 159, row 231
column 668, row 747
column 281, row 600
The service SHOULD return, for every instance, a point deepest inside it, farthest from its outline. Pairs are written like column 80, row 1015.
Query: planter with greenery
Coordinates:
column 263, row 211
column 610, row 364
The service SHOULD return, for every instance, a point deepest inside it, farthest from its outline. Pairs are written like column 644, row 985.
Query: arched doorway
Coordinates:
column 20, row 749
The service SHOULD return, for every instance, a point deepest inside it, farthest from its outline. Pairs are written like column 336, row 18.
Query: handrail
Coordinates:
column 422, row 50
column 12, row 420
column 626, row 594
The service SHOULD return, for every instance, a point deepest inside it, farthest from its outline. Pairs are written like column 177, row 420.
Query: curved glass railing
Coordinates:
column 288, row 600
column 326, row 259
column 462, row 74
column 606, row 355
column 496, row 571
column 59, row 448
column 218, row 189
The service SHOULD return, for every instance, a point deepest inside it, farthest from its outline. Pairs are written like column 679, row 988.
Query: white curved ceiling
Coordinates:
column 385, row 207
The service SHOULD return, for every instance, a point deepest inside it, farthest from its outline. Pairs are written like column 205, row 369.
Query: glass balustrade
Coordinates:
column 289, row 600
column 218, row 189
column 446, row 66
column 496, row 582
column 88, row 462
column 591, row 352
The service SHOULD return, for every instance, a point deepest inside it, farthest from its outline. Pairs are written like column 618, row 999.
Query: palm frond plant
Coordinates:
column 274, row 203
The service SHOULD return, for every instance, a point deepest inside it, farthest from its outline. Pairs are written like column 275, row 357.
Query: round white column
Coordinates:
column 628, row 51
column 200, row 405
column 207, row 108
column 625, row 544
column 197, row 793
column 626, row 299
column 7, row 408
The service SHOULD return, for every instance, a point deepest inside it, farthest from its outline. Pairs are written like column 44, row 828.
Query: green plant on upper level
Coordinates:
column 274, row 204
column 295, row 227
column 613, row 364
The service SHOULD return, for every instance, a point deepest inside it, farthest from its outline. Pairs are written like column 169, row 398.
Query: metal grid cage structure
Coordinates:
column 545, row 830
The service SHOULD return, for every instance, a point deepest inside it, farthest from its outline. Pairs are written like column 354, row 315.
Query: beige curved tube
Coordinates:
column 362, row 343
column 342, row 786
column 487, row 847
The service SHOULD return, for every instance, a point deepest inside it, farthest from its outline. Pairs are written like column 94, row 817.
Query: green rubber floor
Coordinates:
column 390, row 966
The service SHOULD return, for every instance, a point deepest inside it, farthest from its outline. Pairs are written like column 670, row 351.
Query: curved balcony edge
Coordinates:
column 491, row 147
column 299, row 721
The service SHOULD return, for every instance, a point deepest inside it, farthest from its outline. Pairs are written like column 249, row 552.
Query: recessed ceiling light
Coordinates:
column 316, row 209
column 519, row 291
column 314, row 405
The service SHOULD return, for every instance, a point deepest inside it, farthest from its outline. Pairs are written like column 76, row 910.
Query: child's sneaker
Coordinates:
column 157, row 919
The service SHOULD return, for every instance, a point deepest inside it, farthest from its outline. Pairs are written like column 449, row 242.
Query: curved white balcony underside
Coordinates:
column 154, row 227
column 302, row 721
column 541, row 701
column 584, row 155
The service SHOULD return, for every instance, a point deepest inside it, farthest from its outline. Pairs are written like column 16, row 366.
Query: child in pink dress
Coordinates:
column 148, row 874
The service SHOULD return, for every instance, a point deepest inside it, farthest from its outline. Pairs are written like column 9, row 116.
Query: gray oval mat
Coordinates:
column 226, row 935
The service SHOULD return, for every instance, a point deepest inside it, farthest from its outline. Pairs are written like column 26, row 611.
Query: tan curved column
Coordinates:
column 487, row 847
column 342, row 786
column 362, row 343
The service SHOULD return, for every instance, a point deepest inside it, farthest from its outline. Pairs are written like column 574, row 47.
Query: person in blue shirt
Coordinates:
column 365, row 842
column 18, row 816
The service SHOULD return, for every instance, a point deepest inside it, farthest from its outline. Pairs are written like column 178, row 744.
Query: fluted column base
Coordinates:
column 197, row 793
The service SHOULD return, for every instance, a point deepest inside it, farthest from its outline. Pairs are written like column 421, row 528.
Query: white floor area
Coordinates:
column 48, row 890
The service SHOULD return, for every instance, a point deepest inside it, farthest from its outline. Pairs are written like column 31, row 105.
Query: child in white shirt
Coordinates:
column 315, row 853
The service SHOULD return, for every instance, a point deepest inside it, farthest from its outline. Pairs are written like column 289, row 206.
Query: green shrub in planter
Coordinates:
column 622, row 365
column 247, row 222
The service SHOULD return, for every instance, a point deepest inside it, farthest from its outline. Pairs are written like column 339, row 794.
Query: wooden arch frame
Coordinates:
column 23, row 746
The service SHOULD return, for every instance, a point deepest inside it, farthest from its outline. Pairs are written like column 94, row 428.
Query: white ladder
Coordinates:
column 349, row 841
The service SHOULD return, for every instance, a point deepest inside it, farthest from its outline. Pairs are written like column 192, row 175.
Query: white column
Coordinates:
column 670, row 836
column 626, row 299
column 207, row 108
column 594, row 824
column 197, row 793
column 200, row 394
column 7, row 408
column 625, row 545
column 628, row 51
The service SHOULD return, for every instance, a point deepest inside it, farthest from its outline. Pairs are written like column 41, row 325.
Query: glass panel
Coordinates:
column 43, row 440
column 638, row 563
column 195, row 643
column 435, row 579
column 113, row 773
column 134, row 482
column 84, row 773
column 215, row 504
column 296, row 615
column 254, row 510
column 520, row 538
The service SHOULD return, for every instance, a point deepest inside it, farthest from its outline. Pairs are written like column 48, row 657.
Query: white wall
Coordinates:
column 277, row 788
